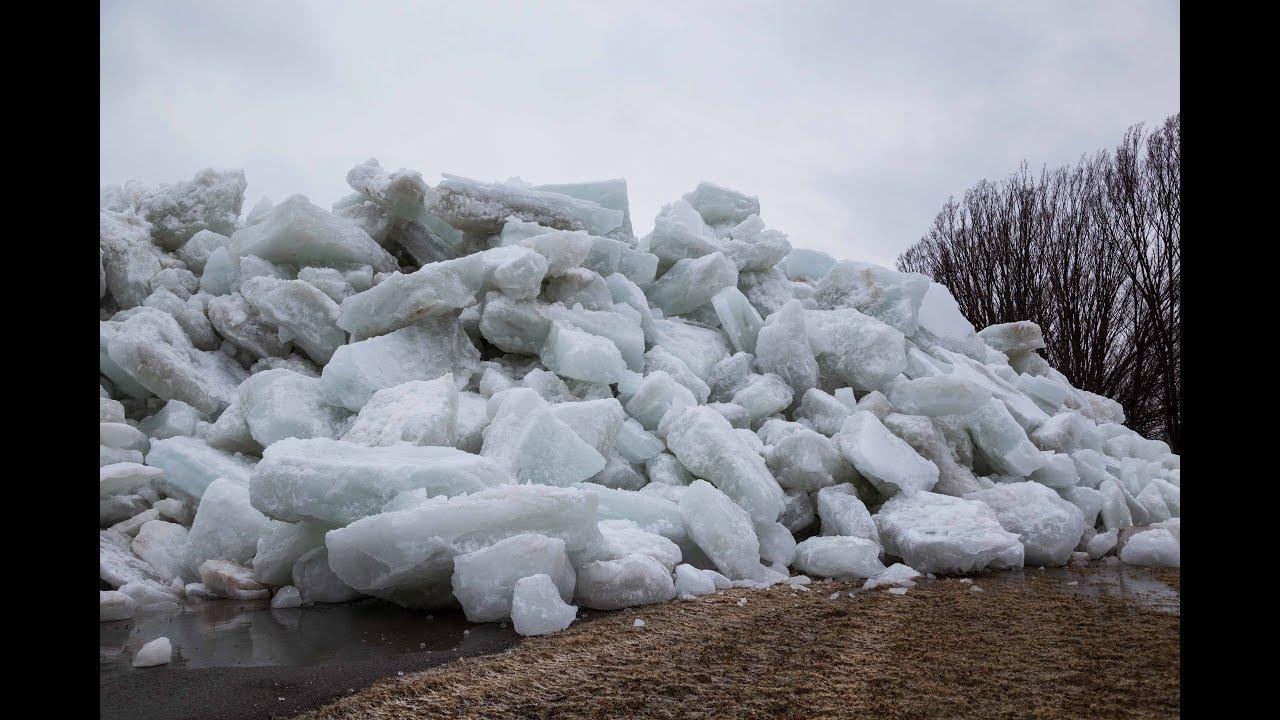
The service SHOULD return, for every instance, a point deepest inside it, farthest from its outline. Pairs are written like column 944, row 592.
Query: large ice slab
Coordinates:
column 483, row 208
column 337, row 482
column 226, row 527
column 418, row 412
column 297, row 233
column 885, row 459
column 484, row 580
column 632, row 580
column 946, row 535
column 407, row 556
column 537, row 607
column 423, row 351
column 190, row 464
column 723, row 530
column 842, row 557
column 279, row 404
column 705, row 443
column 1050, row 527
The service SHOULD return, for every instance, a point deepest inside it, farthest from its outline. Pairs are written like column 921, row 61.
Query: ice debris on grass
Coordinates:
column 495, row 396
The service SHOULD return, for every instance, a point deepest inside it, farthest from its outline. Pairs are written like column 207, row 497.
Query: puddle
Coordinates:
column 228, row 633
column 1134, row 583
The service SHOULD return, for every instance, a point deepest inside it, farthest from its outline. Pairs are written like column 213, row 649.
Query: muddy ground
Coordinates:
column 1030, row 645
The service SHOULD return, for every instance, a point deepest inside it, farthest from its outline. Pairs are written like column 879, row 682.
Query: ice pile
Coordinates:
column 495, row 396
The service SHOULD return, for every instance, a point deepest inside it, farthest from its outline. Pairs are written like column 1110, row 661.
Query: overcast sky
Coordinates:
column 851, row 121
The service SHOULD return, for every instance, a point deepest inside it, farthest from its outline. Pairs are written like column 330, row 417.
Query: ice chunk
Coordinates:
column 659, row 359
column 236, row 320
column 635, row 443
column 418, row 412
column 752, row 247
column 658, row 394
column 926, row 436
column 1115, row 511
column 1058, row 471
column 805, row 460
column 484, row 580
column 423, row 351
column 484, row 208
column 1088, row 500
column 618, row 473
column 407, row 556
column 891, row 297
column 801, row 264
column 664, row 469
column 190, row 464
column 280, row 546
column 739, row 320
column 298, row 233
column 1002, row 441
column 763, row 395
column 286, row 597
column 776, row 543
column 622, row 537
column 692, row 283
column 316, row 581
column 722, row 530
column 195, row 252
column 231, row 581
column 1014, row 337
column 679, row 233
column 856, row 348
column 885, row 459
column 164, row 546
column 156, row 652
column 210, row 201
column 698, row 346
column 823, row 411
column 1102, row 543
column 842, row 513
column 783, row 348
column 530, row 442
column 227, row 526
column 1152, row 547
column 1049, row 526
column 692, row 581
column 332, row 481
column 839, row 557
column 538, row 608
column 896, row 575
column 303, row 312
column 704, row 442
column 1067, row 432
column 401, row 300
column 151, row 349
column 115, row 605
column 175, row 418
column 632, row 580
column 117, row 565
column 718, row 205
column 945, row 535
column 125, row 477
column 279, row 404
column 572, row 353
column 938, row 395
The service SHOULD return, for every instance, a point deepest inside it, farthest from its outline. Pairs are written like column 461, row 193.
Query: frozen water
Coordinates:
column 407, row 556
column 632, row 580
column 280, row 546
column 337, row 482
column 883, row 458
column 156, row 652
column 839, row 557
column 484, row 580
column 418, row 412
column 538, row 608
column 190, row 464
column 230, row 580
column 226, row 526
column 280, row 404
column 1049, row 526
column 843, row 513
column 115, row 605
column 316, row 581
column 722, row 530
column 896, row 575
column 1152, row 547
column 692, row 581
column 704, row 442
column 945, row 535
column 527, row 440
column 295, row 232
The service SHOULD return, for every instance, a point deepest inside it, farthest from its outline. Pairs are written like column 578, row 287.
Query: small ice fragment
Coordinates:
column 638, row 623
column 975, row 588
column 898, row 591
column 156, row 652
column 742, row 602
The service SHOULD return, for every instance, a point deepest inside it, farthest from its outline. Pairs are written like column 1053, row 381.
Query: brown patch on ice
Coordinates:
column 1019, row 649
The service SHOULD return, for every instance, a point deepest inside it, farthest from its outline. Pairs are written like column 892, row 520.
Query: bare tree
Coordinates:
column 1090, row 252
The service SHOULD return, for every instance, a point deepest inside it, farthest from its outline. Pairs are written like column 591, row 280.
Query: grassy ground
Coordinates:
column 1019, row 649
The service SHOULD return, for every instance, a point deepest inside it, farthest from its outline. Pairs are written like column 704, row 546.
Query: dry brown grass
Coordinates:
column 1017, row 650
